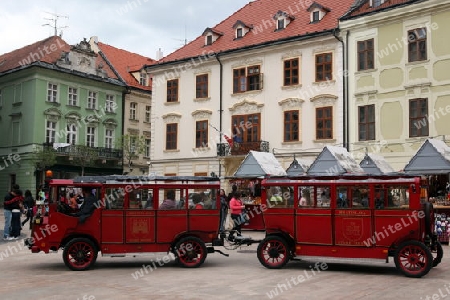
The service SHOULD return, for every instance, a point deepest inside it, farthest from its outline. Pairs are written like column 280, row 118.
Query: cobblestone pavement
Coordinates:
column 24, row 275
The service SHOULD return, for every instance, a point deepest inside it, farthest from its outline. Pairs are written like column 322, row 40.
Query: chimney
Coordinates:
column 159, row 54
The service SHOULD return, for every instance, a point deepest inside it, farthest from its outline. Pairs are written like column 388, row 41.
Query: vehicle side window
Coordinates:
column 275, row 197
column 140, row 199
column 323, row 196
column 306, row 196
column 114, row 198
column 392, row 197
column 170, row 198
column 202, row 199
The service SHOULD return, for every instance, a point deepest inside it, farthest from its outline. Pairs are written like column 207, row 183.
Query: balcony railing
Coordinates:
column 75, row 150
column 224, row 149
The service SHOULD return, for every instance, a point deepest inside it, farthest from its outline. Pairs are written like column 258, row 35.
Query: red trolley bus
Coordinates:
column 130, row 219
column 349, row 217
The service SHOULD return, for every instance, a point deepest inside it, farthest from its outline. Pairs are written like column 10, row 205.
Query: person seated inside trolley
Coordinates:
column 276, row 197
column 169, row 202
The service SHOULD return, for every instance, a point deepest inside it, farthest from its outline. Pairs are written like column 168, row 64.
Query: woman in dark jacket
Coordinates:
column 28, row 204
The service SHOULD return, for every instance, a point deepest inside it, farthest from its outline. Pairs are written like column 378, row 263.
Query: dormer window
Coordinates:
column 211, row 35
column 282, row 20
column 143, row 79
column 317, row 12
column 241, row 29
column 376, row 3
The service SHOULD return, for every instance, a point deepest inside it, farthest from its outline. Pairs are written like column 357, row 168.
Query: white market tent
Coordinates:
column 334, row 161
column 375, row 165
column 432, row 158
column 257, row 164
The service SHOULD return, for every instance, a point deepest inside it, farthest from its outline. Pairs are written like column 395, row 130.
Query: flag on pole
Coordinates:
column 229, row 140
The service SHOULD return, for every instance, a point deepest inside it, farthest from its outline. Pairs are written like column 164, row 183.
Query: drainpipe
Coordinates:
column 220, row 105
column 344, row 87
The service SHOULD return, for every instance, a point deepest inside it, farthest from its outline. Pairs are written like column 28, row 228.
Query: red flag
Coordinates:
column 229, row 140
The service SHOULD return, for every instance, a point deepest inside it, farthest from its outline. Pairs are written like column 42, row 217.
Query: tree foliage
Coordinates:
column 132, row 146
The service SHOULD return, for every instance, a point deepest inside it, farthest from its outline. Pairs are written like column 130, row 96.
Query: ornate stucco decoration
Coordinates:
column 418, row 89
column 172, row 117
column 201, row 114
column 52, row 114
column 92, row 119
column 324, row 100
column 110, row 123
column 248, row 61
column 246, row 107
column 291, row 54
column 291, row 103
column 73, row 117
column 367, row 96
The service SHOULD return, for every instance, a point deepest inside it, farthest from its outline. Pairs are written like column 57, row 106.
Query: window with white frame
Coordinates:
column 143, row 79
column 109, row 138
column 52, row 92
column 133, row 108
column 376, row 3
column 147, row 147
column 71, row 134
column 148, row 111
column 73, row 96
column 109, row 103
column 92, row 100
column 90, row 136
column 50, row 132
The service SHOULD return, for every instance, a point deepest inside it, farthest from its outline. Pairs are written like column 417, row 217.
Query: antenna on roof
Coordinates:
column 54, row 23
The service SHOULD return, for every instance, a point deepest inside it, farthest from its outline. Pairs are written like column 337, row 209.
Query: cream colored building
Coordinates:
column 399, row 80
column 272, row 86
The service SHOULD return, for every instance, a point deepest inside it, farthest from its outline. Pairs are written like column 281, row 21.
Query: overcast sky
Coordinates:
column 140, row 26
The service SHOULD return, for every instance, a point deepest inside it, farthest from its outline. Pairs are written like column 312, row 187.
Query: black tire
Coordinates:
column 437, row 252
column 428, row 208
column 80, row 254
column 190, row 252
column 413, row 259
column 273, row 252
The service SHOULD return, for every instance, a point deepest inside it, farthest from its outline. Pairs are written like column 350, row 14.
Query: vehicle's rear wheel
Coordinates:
column 80, row 254
column 438, row 252
column 413, row 259
column 273, row 252
column 190, row 252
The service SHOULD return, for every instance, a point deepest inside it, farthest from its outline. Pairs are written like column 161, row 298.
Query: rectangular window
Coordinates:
column 171, row 136
column 147, row 147
column 417, row 44
column 73, row 96
column 376, row 3
column 324, row 123
column 90, row 136
column 280, row 24
column 50, row 132
column 133, row 107
column 52, row 92
column 110, row 103
column 148, row 113
column 247, row 79
column 238, row 33
column 366, row 123
column 291, row 126
column 418, row 117
column 291, row 72
column 324, row 67
column 246, row 128
column 143, row 79
column 109, row 138
column 209, row 40
column 172, row 90
column 315, row 16
column 201, row 86
column 365, row 55
column 71, row 137
column 239, row 80
column 201, row 134
column 92, row 100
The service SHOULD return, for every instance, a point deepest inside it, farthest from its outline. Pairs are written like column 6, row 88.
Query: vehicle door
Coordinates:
column 140, row 216
column 112, row 224
column 171, row 216
column 313, row 217
column 353, row 215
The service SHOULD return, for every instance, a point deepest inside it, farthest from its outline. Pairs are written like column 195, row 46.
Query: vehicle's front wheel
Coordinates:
column 80, row 254
column 438, row 252
column 190, row 252
column 273, row 252
column 413, row 259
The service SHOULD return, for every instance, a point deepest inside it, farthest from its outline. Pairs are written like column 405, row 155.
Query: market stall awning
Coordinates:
column 433, row 157
column 298, row 167
column 258, row 164
column 334, row 161
column 375, row 165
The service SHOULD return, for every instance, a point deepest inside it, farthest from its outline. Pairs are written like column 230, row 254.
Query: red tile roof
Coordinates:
column 125, row 62
column 259, row 14
column 47, row 51
column 363, row 7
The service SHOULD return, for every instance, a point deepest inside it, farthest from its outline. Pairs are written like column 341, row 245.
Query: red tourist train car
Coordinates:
column 129, row 218
column 349, row 217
